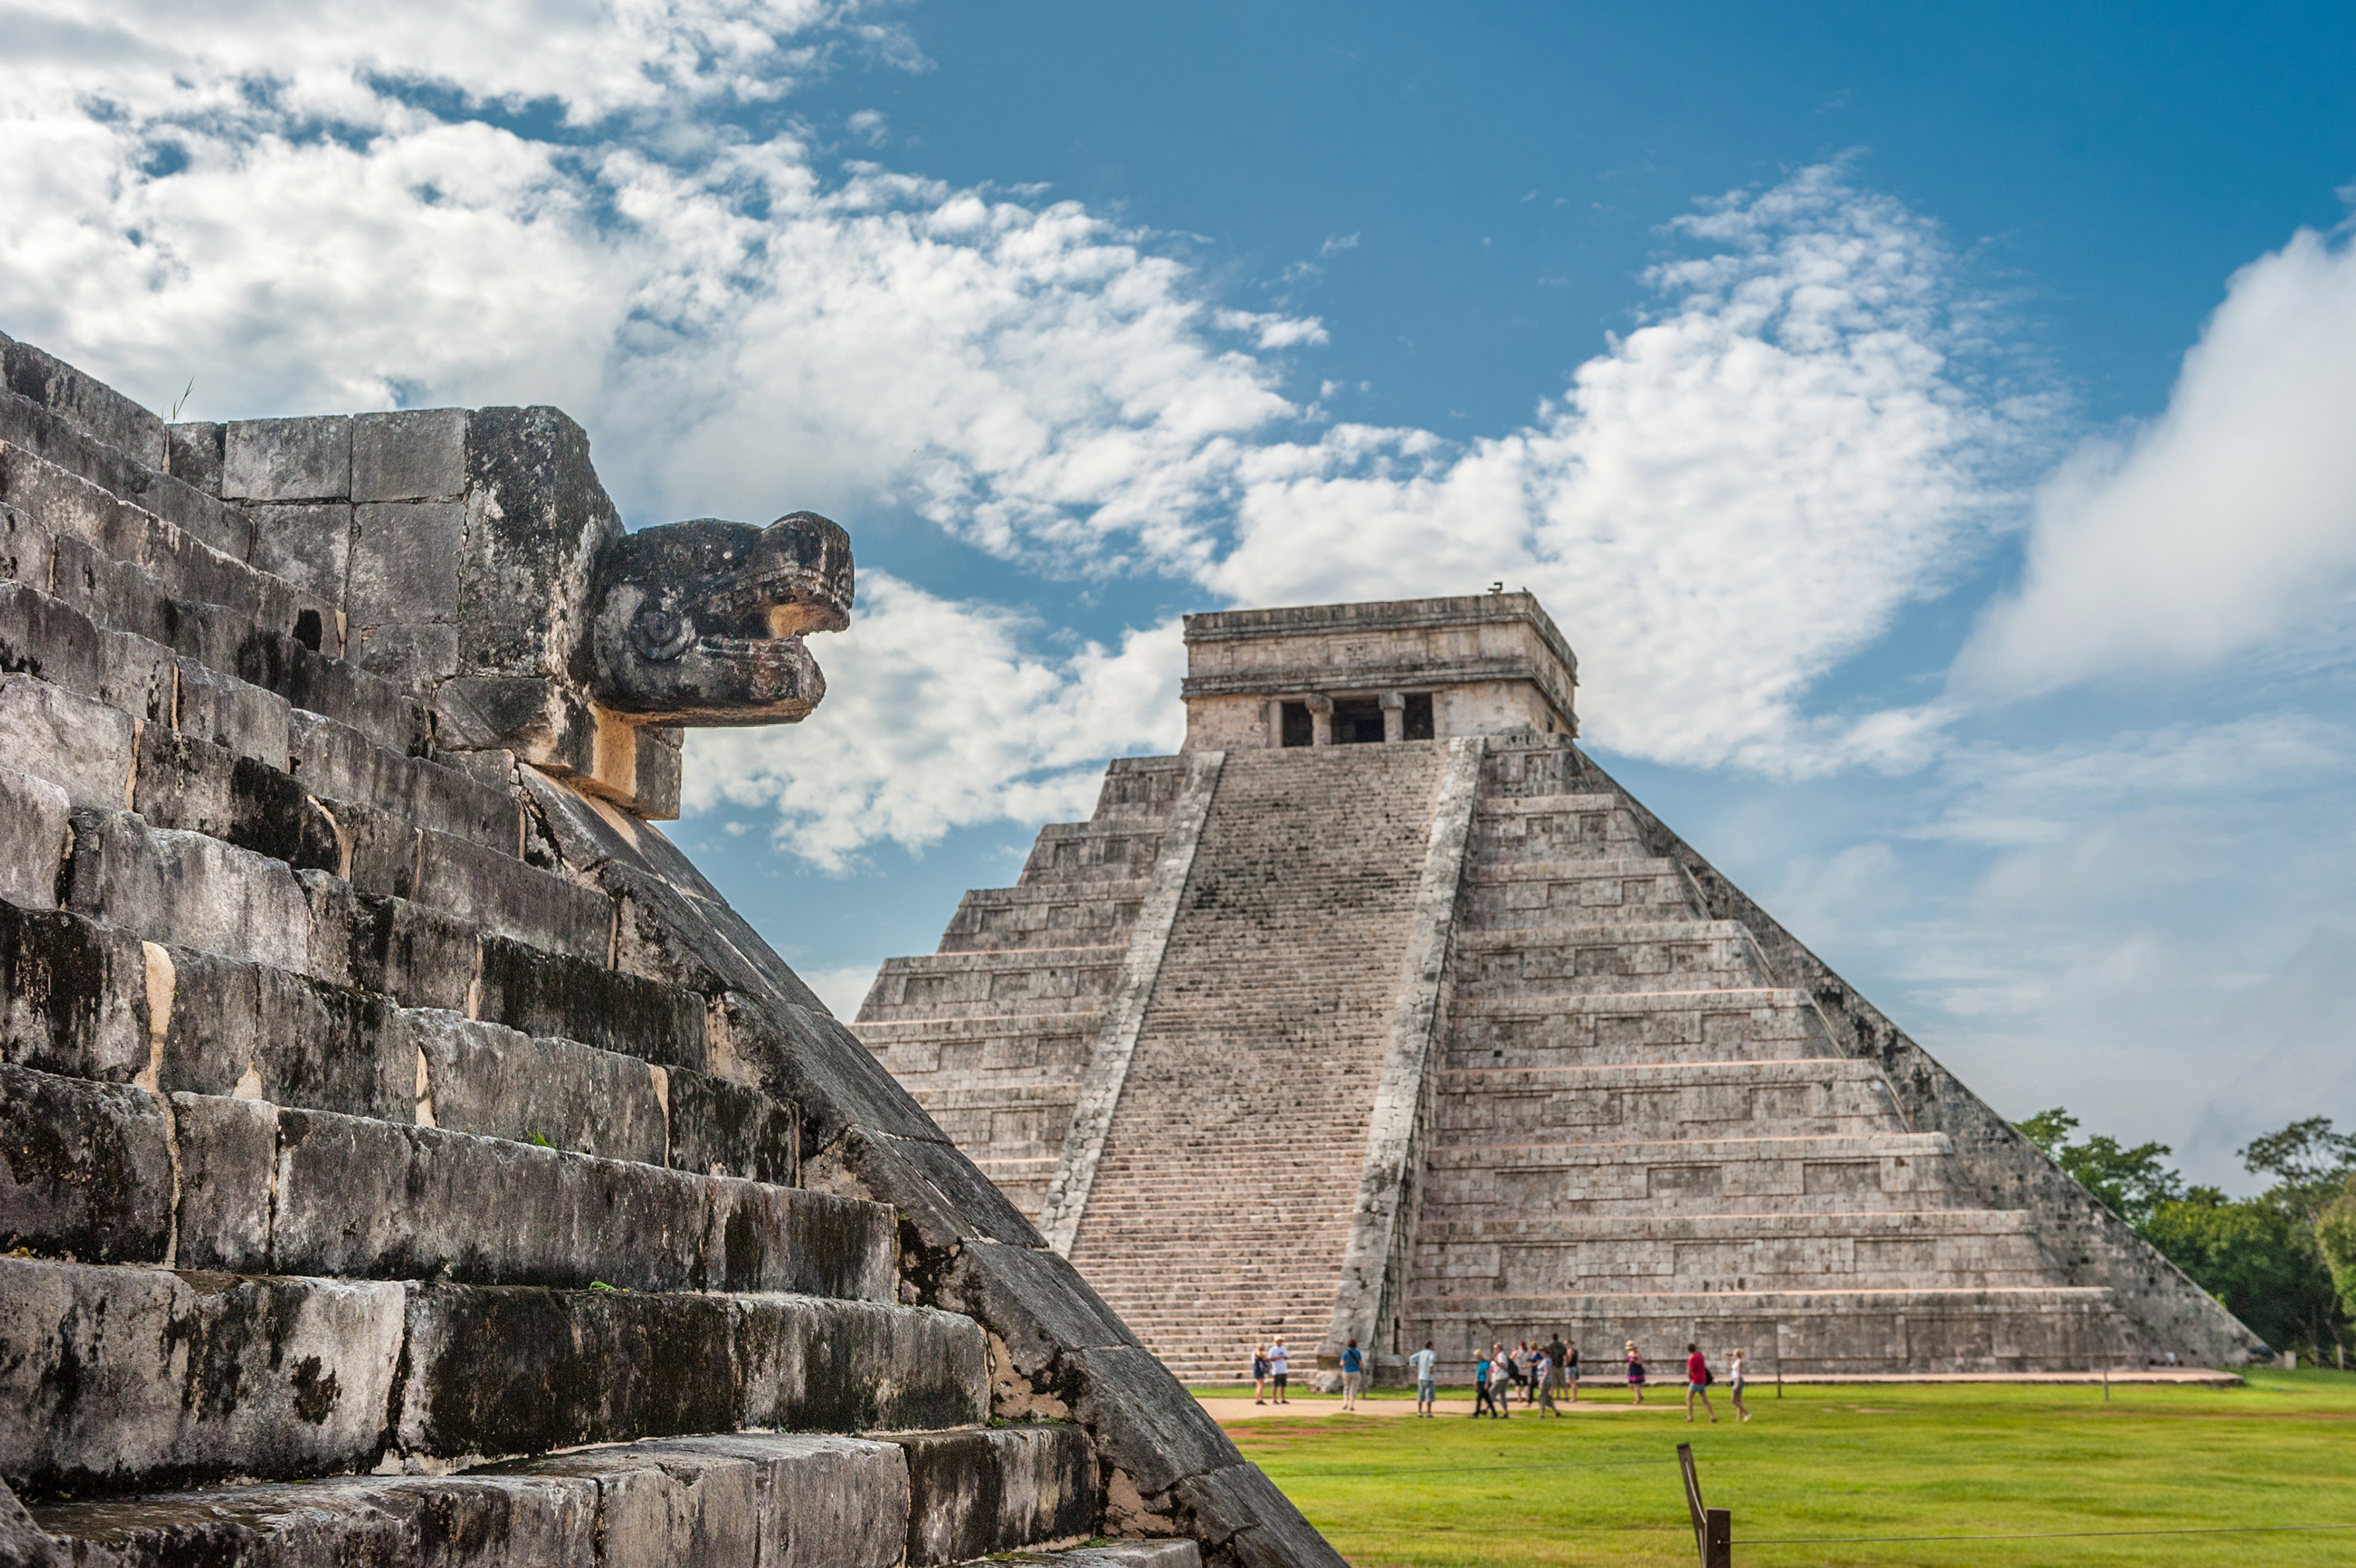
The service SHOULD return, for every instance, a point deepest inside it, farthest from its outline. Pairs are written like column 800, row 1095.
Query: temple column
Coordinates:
column 1394, row 717
column 1321, row 721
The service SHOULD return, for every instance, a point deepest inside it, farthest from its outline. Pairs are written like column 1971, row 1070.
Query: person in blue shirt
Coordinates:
column 1480, row 1388
column 1353, row 1375
column 1423, row 1361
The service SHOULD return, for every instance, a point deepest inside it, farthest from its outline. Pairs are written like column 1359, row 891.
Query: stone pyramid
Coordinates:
column 387, row 1106
column 1381, row 1012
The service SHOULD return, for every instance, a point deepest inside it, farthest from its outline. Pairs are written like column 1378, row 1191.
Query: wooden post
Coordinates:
column 1713, row 1528
column 2106, row 1385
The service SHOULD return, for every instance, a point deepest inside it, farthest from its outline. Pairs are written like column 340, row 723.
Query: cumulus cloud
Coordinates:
column 937, row 716
column 2226, row 522
column 1744, row 490
column 345, row 207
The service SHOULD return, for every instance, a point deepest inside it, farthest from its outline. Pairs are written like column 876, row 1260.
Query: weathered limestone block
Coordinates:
column 288, row 459
column 124, row 1376
column 544, row 994
column 82, row 400
column 25, row 548
column 489, row 1079
column 335, row 761
column 420, row 957
column 240, row 1027
column 82, row 746
column 186, row 783
column 453, row 1521
column 505, row 897
column 413, row 454
column 1237, row 1513
column 321, row 687
column 34, row 834
column 822, row 1502
column 657, row 1510
column 405, row 557
column 187, row 889
column 228, row 1151
column 510, row 1371
column 723, row 1128
column 85, row 1169
column 977, row 1493
column 73, row 995
column 308, row 543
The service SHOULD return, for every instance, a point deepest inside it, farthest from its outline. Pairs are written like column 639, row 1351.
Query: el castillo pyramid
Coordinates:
column 1382, row 1012
column 405, row 1156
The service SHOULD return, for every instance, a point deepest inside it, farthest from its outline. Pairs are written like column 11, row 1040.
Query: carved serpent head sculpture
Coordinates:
column 701, row 623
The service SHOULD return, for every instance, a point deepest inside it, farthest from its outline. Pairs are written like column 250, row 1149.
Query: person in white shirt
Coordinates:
column 1275, row 1370
column 1423, row 1361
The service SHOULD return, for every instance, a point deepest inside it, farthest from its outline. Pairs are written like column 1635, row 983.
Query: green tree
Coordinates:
column 2335, row 1232
column 2255, row 1255
column 2130, row 1183
column 2283, row 1263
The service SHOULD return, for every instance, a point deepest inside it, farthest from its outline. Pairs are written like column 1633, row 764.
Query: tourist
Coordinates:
column 1635, row 1372
column 1353, row 1375
column 1259, row 1373
column 1500, row 1390
column 1556, row 1350
column 1570, row 1372
column 1480, row 1388
column 1516, row 1373
column 1275, row 1370
column 1424, row 1361
column 1697, row 1384
column 1542, row 1383
column 1734, row 1386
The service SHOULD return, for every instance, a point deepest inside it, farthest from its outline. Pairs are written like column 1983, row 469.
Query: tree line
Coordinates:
column 2283, row 1262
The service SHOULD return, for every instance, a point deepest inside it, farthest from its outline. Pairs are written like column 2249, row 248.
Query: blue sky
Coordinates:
column 1928, row 425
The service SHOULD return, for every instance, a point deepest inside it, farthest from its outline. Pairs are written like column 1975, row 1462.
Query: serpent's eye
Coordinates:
column 660, row 636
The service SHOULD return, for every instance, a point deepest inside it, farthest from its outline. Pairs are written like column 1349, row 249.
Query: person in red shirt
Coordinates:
column 1697, row 1382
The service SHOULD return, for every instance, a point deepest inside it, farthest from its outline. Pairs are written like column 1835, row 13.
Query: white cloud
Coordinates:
column 1743, row 491
column 936, row 717
column 842, row 987
column 1336, row 243
column 2226, row 523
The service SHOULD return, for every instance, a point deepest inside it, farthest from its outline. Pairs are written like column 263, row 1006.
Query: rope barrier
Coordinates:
column 2047, row 1534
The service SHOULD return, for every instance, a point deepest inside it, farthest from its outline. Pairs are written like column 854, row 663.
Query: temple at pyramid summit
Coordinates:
column 1382, row 1012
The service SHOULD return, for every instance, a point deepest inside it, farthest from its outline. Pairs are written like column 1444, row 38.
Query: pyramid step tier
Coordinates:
column 125, row 1374
column 104, row 1172
column 775, row 1499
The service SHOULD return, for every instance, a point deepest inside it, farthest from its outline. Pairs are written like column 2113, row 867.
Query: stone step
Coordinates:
column 1050, row 915
column 191, row 889
column 1119, row 849
column 735, row 1500
column 1632, row 1028
column 1512, row 896
column 970, row 984
column 146, row 555
column 253, row 1188
column 1588, row 960
column 129, row 1377
column 978, row 1493
column 1139, row 787
column 1618, row 1104
column 1806, row 1174
column 89, row 1000
column 1805, row 1332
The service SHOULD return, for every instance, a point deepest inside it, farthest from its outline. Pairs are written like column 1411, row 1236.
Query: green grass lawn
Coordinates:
column 1884, row 1461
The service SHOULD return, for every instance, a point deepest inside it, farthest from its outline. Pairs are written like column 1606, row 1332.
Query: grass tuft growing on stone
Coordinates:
column 1884, row 1461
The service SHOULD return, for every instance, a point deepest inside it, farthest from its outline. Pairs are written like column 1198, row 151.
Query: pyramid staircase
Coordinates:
column 1639, row 1134
column 410, row 1158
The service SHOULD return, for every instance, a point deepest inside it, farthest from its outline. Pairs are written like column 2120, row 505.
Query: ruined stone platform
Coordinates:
column 406, row 1155
column 1383, row 1012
